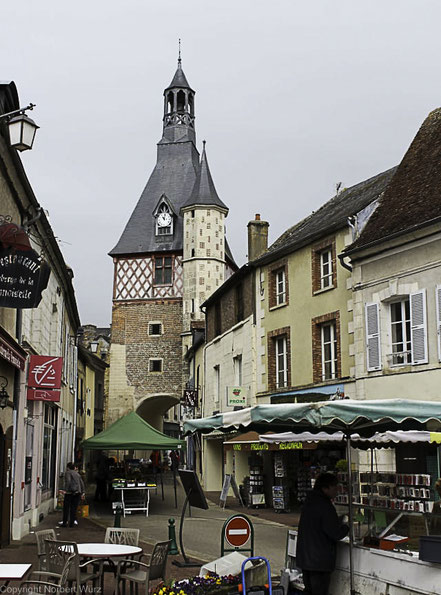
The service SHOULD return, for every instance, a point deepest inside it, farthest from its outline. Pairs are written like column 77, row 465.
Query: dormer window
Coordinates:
column 164, row 221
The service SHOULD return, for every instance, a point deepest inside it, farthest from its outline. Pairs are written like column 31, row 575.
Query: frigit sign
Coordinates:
column 256, row 446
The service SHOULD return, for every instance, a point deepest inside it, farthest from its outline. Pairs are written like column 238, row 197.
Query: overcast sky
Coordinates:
column 292, row 97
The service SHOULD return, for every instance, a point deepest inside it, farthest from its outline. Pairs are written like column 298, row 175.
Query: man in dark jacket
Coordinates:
column 74, row 489
column 319, row 531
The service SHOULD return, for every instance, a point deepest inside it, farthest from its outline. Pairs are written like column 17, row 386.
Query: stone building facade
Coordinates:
column 37, row 435
column 171, row 256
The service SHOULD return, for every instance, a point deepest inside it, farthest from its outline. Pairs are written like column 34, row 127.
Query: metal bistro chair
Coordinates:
column 42, row 582
column 139, row 573
column 120, row 536
column 41, row 537
column 57, row 554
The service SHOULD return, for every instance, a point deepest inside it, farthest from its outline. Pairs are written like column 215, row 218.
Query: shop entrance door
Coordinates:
column 5, row 486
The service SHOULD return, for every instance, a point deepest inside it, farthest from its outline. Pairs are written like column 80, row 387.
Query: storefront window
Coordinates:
column 28, row 465
column 49, row 448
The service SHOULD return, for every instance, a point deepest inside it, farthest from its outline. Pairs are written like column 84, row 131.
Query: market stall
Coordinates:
column 348, row 416
column 135, row 477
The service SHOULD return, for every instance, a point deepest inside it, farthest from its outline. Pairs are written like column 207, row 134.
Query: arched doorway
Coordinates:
column 5, row 485
column 152, row 409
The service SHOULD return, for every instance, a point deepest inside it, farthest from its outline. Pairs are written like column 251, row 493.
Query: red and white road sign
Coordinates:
column 237, row 531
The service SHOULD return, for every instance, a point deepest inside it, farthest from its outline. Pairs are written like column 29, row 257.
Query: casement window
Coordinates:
column 328, row 339
column 155, row 329
column 324, row 273
column 278, row 290
column 155, row 365
column 326, row 269
column 400, row 333
column 326, row 364
column 280, row 281
column 281, row 356
column 237, row 370
column 408, row 332
column 163, row 270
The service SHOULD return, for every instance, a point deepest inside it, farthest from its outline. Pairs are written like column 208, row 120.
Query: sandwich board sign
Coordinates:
column 229, row 481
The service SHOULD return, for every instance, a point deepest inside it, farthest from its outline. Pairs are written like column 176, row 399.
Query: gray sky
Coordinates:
column 292, row 97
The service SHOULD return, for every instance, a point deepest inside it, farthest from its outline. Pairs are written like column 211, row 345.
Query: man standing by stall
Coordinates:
column 74, row 490
column 319, row 530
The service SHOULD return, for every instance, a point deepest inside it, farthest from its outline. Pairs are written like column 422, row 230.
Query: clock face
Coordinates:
column 164, row 219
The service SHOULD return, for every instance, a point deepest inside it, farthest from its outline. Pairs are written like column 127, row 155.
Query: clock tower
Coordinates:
column 174, row 238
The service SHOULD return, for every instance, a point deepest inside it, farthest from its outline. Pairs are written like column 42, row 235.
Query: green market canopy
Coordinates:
column 349, row 416
column 131, row 432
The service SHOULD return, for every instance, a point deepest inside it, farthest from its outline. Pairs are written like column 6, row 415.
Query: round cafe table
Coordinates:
column 107, row 550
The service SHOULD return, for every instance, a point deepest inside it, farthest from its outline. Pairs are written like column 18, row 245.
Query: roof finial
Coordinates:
column 179, row 53
column 204, row 142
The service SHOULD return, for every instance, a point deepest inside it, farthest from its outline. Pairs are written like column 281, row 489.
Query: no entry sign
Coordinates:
column 237, row 531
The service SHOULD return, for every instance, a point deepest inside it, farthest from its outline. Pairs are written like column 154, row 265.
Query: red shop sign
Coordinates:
column 36, row 394
column 45, row 372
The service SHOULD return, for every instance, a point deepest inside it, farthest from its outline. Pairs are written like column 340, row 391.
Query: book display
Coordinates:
column 397, row 491
column 281, row 487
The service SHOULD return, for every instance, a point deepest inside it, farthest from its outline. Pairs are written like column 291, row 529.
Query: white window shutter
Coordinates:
column 438, row 319
column 373, row 349
column 418, row 327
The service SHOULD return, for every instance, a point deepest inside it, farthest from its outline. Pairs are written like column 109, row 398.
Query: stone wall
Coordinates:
column 132, row 348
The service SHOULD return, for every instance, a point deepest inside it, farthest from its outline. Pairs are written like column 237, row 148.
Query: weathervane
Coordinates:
column 179, row 53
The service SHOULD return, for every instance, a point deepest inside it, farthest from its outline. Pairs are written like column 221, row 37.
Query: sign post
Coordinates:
column 237, row 531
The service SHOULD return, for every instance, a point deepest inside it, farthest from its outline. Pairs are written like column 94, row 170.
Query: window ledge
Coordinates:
column 278, row 306
column 323, row 290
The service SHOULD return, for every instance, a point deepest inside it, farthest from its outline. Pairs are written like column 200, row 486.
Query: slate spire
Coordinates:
column 179, row 108
column 204, row 191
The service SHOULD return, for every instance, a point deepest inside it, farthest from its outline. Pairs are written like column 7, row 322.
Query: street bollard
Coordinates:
column 173, row 551
column 117, row 522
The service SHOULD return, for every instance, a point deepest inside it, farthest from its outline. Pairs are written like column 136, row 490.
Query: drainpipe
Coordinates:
column 15, row 410
column 343, row 263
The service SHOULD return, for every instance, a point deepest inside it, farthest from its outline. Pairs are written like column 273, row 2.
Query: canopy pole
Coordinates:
column 351, row 515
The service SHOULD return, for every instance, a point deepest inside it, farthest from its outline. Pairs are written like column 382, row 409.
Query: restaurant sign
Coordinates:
column 23, row 278
column 44, row 378
column 236, row 395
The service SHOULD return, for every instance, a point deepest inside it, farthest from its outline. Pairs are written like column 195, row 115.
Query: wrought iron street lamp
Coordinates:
column 4, row 397
column 21, row 128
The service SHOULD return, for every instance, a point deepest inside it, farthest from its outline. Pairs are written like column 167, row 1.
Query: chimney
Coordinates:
column 257, row 237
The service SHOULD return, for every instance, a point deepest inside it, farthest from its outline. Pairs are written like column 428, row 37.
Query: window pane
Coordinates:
column 167, row 276
column 400, row 331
